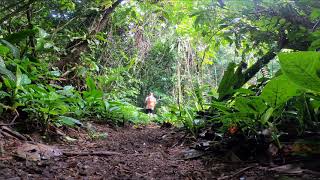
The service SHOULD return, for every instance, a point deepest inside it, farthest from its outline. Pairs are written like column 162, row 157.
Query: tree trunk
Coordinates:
column 215, row 75
column 100, row 22
column 255, row 68
column 78, row 46
column 32, row 40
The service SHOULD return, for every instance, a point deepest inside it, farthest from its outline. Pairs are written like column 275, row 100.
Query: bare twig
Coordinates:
column 292, row 169
column 6, row 107
column 15, row 117
column 1, row 145
column 315, row 26
column 96, row 153
column 237, row 173
column 69, row 71
column 7, row 124
column 13, row 133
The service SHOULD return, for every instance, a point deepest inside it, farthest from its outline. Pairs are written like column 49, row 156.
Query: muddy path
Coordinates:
column 149, row 152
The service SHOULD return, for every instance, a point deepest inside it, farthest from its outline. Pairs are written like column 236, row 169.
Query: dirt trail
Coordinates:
column 145, row 153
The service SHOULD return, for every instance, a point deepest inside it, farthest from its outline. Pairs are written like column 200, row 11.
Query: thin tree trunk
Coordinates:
column 179, row 83
column 215, row 76
column 179, row 98
column 31, row 37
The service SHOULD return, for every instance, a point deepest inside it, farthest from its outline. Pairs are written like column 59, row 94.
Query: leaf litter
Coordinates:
column 149, row 152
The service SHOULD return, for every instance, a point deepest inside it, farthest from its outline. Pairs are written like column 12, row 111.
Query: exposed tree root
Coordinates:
column 5, row 131
column 95, row 153
column 237, row 173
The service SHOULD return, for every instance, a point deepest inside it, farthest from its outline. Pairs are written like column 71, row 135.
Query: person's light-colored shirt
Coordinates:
column 151, row 102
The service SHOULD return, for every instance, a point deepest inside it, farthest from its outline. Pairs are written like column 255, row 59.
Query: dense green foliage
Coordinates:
column 250, row 64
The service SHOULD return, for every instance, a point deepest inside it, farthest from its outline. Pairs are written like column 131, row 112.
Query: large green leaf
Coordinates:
column 22, row 79
column 6, row 72
column 253, row 105
column 315, row 14
column 266, row 116
column 279, row 90
column 15, row 51
column 227, row 82
column 4, row 50
column 90, row 84
column 302, row 68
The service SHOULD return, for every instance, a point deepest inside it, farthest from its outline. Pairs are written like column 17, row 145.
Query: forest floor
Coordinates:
column 148, row 152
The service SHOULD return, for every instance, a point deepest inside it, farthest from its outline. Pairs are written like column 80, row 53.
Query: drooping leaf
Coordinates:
column 66, row 91
column 115, row 108
column 19, row 77
column 9, row 74
column 244, row 91
column 101, row 38
column 90, row 84
column 266, row 116
column 15, row 51
column 2, row 64
column 55, row 73
column 69, row 121
column 8, row 83
column 250, row 104
column 106, row 104
column 25, row 80
column 314, row 45
column 302, row 68
column 225, row 87
column 220, row 106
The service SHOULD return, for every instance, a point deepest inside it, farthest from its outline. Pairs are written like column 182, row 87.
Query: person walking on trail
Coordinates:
column 151, row 103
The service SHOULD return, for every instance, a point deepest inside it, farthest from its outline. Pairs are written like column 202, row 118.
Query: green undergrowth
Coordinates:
column 289, row 102
column 28, row 86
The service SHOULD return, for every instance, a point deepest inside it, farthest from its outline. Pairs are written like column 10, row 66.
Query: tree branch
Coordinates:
column 99, row 23
column 76, row 47
column 95, row 153
column 31, row 37
column 255, row 68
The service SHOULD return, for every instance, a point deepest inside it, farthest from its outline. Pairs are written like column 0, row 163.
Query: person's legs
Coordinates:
column 152, row 113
